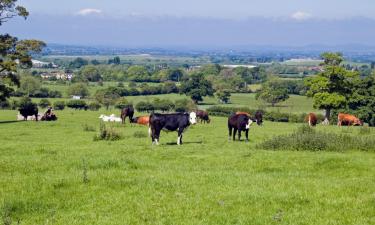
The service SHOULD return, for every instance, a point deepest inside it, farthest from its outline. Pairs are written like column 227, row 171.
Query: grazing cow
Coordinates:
column 31, row 110
column 142, row 120
column 127, row 112
column 311, row 119
column 239, row 123
column 258, row 117
column 348, row 120
column 170, row 122
column 203, row 116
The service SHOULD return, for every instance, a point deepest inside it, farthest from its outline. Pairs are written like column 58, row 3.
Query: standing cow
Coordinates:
column 348, row 120
column 239, row 122
column 203, row 116
column 311, row 119
column 127, row 112
column 170, row 122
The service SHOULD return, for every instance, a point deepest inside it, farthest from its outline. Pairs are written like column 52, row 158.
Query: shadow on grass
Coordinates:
column 11, row 121
column 184, row 143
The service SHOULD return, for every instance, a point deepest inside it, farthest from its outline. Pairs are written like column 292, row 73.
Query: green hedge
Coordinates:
column 267, row 115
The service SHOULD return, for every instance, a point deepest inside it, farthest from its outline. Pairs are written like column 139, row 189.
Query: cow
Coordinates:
column 127, row 112
column 203, row 116
column 311, row 119
column 348, row 120
column 170, row 122
column 239, row 122
column 258, row 117
column 30, row 110
column 142, row 120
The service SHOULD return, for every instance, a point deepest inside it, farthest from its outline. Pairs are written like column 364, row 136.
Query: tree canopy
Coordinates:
column 197, row 87
column 273, row 92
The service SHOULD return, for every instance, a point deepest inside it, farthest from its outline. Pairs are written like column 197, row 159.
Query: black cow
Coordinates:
column 170, row 122
column 239, row 122
column 259, row 117
column 127, row 112
column 29, row 110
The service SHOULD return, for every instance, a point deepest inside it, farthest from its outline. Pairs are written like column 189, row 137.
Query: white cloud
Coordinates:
column 300, row 15
column 88, row 11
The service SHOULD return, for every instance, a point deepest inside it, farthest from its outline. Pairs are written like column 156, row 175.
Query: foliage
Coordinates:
column 163, row 104
column 78, row 63
column 44, row 103
column 143, row 106
column 307, row 139
column 30, row 85
column 197, row 87
column 273, row 91
column 106, row 97
column 223, row 96
column 184, row 105
column 77, row 104
column 331, row 88
column 107, row 134
column 122, row 103
column 78, row 89
column 138, row 74
column 89, row 73
column 59, row 105
column 94, row 106
column 27, row 105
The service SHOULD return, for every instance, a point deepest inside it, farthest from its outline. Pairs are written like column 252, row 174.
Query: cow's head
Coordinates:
column 192, row 118
column 357, row 122
column 248, row 124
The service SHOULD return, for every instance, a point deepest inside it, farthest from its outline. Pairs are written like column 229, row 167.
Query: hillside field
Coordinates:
column 55, row 173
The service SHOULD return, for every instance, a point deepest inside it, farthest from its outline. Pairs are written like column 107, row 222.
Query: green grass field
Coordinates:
column 54, row 173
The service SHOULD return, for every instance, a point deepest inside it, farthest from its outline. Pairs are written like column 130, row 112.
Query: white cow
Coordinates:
column 111, row 118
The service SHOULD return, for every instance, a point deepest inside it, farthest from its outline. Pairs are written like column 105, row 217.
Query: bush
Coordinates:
column 59, row 105
column 94, row 106
column 307, row 139
column 184, row 105
column 44, row 103
column 163, row 104
column 122, row 103
column 144, row 106
column 77, row 104
column 107, row 134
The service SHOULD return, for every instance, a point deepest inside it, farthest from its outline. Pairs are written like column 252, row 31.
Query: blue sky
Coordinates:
column 160, row 23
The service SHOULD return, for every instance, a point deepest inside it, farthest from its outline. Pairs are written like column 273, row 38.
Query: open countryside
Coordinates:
column 94, row 133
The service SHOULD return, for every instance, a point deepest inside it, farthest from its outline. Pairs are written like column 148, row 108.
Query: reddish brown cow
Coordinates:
column 203, row 116
column 142, row 120
column 349, row 120
column 311, row 119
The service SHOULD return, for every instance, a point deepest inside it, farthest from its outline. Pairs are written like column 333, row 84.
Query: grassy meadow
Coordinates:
column 55, row 173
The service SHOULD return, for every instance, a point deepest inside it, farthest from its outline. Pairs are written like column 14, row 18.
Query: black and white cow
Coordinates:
column 170, row 122
column 239, row 122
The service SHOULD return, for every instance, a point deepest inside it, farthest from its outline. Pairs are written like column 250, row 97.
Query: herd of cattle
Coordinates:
column 237, row 122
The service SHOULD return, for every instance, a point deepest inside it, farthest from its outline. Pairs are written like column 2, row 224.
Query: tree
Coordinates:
column 106, row 97
column 30, row 85
column 273, row 91
column 78, row 63
column 44, row 103
column 138, row 73
column 331, row 88
column 197, row 87
column 13, row 52
column 78, row 89
column 223, row 96
column 116, row 60
column 90, row 73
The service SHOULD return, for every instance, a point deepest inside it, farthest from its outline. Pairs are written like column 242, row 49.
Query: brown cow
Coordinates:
column 258, row 116
column 142, row 120
column 239, row 123
column 203, row 116
column 348, row 120
column 127, row 112
column 311, row 119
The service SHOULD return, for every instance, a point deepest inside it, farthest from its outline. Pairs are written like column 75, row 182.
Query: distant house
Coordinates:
column 76, row 97
column 58, row 75
column 40, row 64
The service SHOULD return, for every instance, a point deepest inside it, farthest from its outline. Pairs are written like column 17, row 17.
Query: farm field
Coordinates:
column 54, row 173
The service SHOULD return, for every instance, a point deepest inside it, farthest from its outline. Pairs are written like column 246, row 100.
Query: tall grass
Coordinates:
column 308, row 139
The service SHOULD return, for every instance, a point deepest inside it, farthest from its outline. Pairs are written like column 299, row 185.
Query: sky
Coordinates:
column 163, row 23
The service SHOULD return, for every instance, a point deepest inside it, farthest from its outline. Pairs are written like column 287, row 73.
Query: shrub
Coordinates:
column 144, row 106
column 77, row 104
column 107, row 134
column 307, row 139
column 44, row 103
column 163, row 104
column 184, row 105
column 4, row 105
column 59, row 105
column 94, row 106
column 122, row 103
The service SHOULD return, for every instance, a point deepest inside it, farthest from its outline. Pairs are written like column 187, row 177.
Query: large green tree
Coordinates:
column 197, row 87
column 14, row 53
column 273, row 92
column 331, row 88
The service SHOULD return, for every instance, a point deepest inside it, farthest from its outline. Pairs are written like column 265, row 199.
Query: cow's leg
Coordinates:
column 247, row 134
column 157, row 136
column 179, row 138
column 234, row 133
column 230, row 132
column 36, row 117
column 239, row 134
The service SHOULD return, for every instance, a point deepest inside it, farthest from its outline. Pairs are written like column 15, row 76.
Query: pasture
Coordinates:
column 55, row 173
